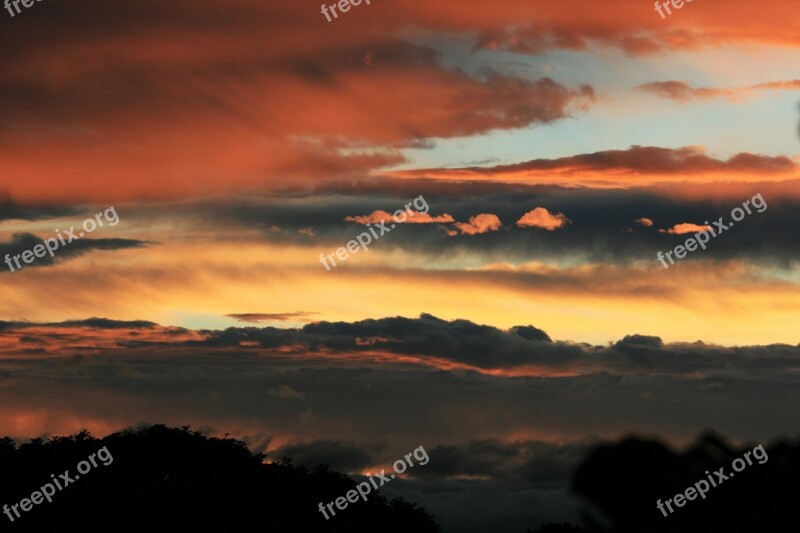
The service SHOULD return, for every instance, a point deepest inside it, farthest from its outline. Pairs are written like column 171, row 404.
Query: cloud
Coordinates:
column 337, row 374
column 303, row 316
column 340, row 108
column 535, row 463
column 358, row 413
column 10, row 210
column 685, row 227
column 21, row 242
column 412, row 217
column 433, row 341
column 531, row 333
column 105, row 323
column 636, row 34
column 94, row 323
column 479, row 224
column 646, row 222
column 323, row 121
column 629, row 167
column 542, row 218
column 786, row 85
column 287, row 393
column 683, row 92
column 338, row 455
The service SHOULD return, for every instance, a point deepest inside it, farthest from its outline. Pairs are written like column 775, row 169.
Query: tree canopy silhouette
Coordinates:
column 165, row 477
column 625, row 480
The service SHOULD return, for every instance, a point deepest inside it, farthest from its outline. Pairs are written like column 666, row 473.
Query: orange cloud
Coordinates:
column 201, row 101
column 683, row 92
column 636, row 166
column 686, row 227
column 542, row 218
column 788, row 85
column 412, row 217
column 483, row 223
column 646, row 222
column 179, row 135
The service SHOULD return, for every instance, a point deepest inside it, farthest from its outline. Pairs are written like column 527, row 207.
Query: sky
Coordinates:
column 547, row 157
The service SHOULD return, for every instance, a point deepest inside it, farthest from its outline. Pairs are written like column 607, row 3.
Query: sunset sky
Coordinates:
column 558, row 147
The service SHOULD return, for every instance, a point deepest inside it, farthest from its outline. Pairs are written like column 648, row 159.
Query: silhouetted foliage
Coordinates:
column 163, row 478
column 625, row 480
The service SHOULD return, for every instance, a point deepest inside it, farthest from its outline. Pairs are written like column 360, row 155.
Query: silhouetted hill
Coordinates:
column 625, row 480
column 163, row 478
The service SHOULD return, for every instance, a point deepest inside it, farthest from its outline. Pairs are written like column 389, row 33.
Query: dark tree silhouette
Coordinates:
column 625, row 480
column 165, row 478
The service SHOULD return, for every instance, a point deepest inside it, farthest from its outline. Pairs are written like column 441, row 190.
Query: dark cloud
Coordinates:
column 633, row 343
column 535, row 463
column 335, row 454
column 105, row 323
column 603, row 228
column 531, row 333
column 97, row 323
column 532, row 476
column 269, row 317
column 487, row 347
column 12, row 210
column 458, row 340
column 21, row 242
column 495, row 442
